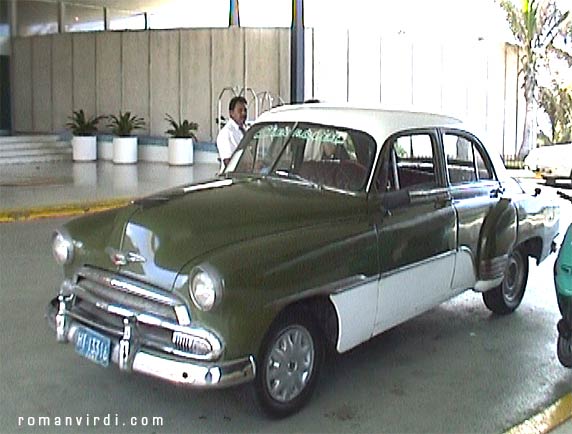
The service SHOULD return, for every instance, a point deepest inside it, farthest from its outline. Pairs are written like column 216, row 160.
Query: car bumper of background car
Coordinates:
column 555, row 172
column 131, row 353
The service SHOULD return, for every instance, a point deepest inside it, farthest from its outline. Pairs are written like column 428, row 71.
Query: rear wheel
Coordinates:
column 506, row 297
column 289, row 364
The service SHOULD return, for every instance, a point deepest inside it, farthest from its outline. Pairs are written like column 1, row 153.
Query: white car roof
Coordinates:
column 378, row 122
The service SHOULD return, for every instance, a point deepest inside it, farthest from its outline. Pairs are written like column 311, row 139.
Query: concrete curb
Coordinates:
column 548, row 419
column 63, row 210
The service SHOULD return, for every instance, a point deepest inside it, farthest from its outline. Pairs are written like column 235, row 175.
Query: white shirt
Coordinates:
column 227, row 140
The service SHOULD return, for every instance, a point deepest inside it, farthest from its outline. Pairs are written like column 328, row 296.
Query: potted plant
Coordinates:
column 84, row 140
column 124, row 144
column 181, row 140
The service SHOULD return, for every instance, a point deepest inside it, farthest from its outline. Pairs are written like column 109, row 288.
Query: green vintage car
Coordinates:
column 329, row 226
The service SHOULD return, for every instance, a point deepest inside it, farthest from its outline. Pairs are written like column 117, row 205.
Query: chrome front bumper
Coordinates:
column 130, row 352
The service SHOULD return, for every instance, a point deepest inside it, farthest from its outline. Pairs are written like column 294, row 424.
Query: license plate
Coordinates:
column 93, row 346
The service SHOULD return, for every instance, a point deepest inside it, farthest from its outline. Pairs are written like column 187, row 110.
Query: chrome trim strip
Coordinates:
column 138, row 289
column 195, row 375
column 337, row 287
column 61, row 317
column 131, row 357
column 349, row 283
column 418, row 263
column 129, row 286
column 152, row 320
column 420, row 196
column 127, row 345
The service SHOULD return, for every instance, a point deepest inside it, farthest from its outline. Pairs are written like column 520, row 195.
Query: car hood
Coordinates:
column 166, row 231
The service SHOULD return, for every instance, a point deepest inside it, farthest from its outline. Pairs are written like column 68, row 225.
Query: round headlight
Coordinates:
column 62, row 248
column 204, row 289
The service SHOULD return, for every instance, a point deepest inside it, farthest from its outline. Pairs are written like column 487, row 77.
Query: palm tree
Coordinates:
column 535, row 26
column 556, row 101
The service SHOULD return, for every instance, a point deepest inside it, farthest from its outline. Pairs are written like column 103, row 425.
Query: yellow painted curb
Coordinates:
column 64, row 210
column 547, row 420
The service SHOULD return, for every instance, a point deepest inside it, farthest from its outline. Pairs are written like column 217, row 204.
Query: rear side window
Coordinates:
column 408, row 163
column 466, row 162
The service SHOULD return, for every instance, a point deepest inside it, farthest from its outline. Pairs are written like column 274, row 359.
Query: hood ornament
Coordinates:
column 123, row 258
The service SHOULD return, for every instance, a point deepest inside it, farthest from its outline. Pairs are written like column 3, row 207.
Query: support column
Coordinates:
column 234, row 15
column 12, row 18
column 297, row 52
column 7, row 30
column 61, row 17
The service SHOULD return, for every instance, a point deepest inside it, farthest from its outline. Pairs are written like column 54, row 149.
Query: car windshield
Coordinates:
column 320, row 155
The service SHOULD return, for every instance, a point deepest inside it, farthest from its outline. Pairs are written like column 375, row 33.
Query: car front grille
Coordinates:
column 117, row 293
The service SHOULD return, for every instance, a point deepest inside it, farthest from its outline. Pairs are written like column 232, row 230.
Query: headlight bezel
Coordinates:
column 62, row 247
column 204, row 272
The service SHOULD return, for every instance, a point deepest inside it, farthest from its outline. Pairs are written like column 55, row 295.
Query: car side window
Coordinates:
column 465, row 160
column 408, row 163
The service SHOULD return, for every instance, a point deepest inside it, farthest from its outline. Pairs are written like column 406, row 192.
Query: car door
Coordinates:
column 416, row 227
column 474, row 190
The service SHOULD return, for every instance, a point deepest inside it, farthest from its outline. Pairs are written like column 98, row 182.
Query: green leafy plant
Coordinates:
column 124, row 124
column 537, row 27
column 80, row 125
column 181, row 130
column 556, row 101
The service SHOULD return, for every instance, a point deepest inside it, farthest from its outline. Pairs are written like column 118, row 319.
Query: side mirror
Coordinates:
column 537, row 191
column 395, row 199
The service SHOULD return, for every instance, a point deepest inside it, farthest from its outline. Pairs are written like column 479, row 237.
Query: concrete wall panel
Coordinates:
column 330, row 61
column 108, row 74
column 227, row 66
column 84, row 72
column 477, row 89
column 22, row 82
column 61, row 80
column 495, row 95
column 364, row 71
column 41, row 85
column 135, row 80
column 308, row 64
column 284, row 68
column 263, row 63
column 164, row 79
column 427, row 76
column 512, row 129
column 196, row 85
column 454, row 95
column 396, row 75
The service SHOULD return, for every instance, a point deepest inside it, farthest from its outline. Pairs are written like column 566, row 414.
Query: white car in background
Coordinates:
column 552, row 162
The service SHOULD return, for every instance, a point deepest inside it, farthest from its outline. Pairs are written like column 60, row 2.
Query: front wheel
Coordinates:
column 506, row 297
column 289, row 363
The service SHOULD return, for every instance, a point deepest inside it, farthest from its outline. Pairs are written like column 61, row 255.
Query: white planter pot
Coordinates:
column 84, row 148
column 180, row 151
column 125, row 150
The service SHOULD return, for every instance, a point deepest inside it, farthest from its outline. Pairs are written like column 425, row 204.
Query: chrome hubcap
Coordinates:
column 290, row 364
column 512, row 285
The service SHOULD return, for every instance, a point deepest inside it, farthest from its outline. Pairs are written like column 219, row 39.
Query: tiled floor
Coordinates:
column 49, row 184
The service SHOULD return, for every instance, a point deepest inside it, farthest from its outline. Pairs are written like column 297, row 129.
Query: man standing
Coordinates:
column 231, row 134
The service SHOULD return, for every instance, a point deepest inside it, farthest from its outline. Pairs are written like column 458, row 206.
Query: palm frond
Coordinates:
column 182, row 129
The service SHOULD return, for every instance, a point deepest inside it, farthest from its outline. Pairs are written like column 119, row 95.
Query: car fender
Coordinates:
column 496, row 240
column 264, row 275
